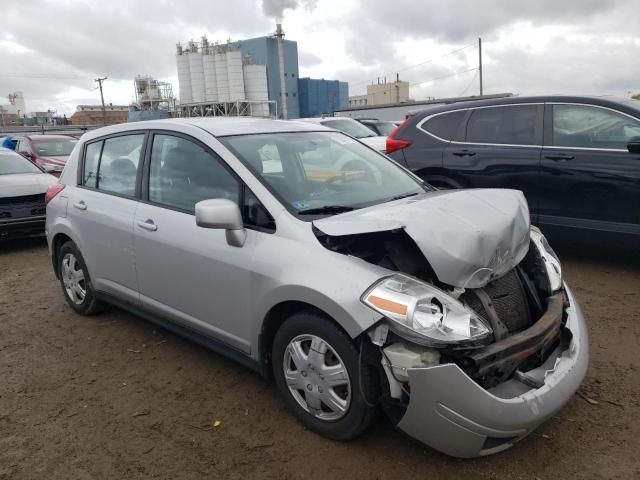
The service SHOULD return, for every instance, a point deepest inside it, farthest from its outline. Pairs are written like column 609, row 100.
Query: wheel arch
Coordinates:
column 441, row 177
column 57, row 241
column 274, row 319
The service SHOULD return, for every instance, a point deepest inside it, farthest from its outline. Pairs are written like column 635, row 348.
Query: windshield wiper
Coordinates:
column 406, row 195
column 326, row 209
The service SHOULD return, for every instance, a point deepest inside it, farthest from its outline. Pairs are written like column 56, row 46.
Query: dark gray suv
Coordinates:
column 576, row 159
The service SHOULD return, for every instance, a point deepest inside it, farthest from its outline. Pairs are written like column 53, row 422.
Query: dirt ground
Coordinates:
column 113, row 396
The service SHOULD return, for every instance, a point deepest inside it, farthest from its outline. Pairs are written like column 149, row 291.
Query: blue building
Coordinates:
column 264, row 51
column 319, row 97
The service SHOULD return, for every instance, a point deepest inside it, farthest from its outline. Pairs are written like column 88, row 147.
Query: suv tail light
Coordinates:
column 395, row 144
column 52, row 191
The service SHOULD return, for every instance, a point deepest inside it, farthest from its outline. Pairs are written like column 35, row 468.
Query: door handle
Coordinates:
column 80, row 205
column 148, row 225
column 559, row 157
column 464, row 153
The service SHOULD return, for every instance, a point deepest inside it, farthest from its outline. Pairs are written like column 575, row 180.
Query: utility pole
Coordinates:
column 104, row 113
column 480, row 64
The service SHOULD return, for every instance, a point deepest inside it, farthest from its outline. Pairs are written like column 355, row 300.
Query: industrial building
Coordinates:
column 93, row 115
column 13, row 112
column 216, row 80
column 257, row 76
column 321, row 97
column 382, row 93
column 154, row 99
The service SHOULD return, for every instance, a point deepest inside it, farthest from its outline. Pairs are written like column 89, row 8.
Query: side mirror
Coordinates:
column 634, row 145
column 49, row 168
column 222, row 214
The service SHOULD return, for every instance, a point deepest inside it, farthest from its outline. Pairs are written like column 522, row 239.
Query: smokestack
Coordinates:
column 283, row 98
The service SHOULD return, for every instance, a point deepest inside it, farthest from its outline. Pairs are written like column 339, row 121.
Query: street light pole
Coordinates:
column 104, row 112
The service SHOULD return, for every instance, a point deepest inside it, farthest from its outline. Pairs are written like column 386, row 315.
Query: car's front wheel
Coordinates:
column 316, row 368
column 76, row 284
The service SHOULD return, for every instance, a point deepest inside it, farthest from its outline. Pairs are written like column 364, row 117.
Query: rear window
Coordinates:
column 444, row 125
column 11, row 164
column 508, row 125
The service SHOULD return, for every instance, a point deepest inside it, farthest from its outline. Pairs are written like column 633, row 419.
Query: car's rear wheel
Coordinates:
column 316, row 368
column 76, row 284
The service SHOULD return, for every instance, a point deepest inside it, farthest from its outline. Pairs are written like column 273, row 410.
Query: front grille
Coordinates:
column 22, row 207
column 507, row 298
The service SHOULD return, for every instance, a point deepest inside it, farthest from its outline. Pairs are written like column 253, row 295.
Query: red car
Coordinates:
column 49, row 152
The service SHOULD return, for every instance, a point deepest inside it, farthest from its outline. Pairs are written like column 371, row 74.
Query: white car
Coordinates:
column 353, row 128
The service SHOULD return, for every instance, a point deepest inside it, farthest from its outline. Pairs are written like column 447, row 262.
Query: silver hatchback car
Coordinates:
column 319, row 262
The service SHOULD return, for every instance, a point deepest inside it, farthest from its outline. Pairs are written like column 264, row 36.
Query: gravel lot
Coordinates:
column 113, row 396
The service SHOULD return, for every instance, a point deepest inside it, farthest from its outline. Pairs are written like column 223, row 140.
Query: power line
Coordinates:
column 444, row 76
column 470, row 83
column 474, row 44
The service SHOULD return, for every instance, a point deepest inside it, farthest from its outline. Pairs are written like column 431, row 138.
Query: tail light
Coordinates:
column 395, row 144
column 52, row 191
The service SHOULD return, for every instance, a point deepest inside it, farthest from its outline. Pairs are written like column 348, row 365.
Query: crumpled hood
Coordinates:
column 469, row 237
column 25, row 184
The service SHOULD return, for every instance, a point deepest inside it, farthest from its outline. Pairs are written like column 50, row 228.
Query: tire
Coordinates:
column 75, row 281
column 346, row 413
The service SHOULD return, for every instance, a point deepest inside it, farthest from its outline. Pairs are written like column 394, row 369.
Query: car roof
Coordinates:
column 621, row 104
column 216, row 126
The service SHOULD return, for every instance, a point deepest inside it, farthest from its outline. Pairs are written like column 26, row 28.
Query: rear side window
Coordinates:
column 508, row 125
column 583, row 126
column 111, row 165
column 182, row 173
column 444, row 125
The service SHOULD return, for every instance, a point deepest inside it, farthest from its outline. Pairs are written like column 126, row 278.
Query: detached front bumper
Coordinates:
column 453, row 414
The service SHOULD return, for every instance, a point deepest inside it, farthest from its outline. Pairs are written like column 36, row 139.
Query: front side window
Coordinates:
column 324, row 172
column 508, row 125
column 584, row 126
column 182, row 173
column 111, row 165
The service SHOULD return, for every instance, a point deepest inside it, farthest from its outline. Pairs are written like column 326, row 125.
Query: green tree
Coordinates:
column 636, row 96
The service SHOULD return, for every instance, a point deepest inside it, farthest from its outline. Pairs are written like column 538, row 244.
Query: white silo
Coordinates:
column 210, row 86
column 222, row 82
column 255, row 86
column 235, row 76
column 184, row 75
column 197, row 75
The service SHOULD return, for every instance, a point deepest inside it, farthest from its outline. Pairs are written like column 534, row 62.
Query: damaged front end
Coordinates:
column 473, row 364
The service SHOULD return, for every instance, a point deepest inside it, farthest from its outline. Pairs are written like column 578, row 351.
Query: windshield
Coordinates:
column 55, row 148
column 11, row 163
column 350, row 127
column 322, row 173
column 385, row 128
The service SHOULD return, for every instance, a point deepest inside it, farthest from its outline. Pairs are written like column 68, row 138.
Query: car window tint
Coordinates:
column 509, row 125
column 444, row 125
column 182, row 173
column 118, row 165
column 254, row 213
column 592, row 127
column 91, row 158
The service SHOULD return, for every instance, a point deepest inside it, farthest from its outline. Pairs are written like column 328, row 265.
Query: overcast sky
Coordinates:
column 53, row 49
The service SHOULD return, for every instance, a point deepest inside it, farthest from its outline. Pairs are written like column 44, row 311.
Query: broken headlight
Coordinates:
column 424, row 314
column 549, row 257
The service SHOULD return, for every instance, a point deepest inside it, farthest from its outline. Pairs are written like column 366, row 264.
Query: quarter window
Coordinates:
column 445, row 125
column 182, row 173
column 584, row 126
column 508, row 125
column 111, row 165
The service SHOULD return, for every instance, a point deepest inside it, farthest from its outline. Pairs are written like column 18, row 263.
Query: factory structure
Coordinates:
column 257, row 77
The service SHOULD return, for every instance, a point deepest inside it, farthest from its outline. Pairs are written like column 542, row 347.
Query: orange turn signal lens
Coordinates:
column 387, row 305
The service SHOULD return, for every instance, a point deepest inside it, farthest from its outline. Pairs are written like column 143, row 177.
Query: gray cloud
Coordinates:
column 307, row 59
column 276, row 8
